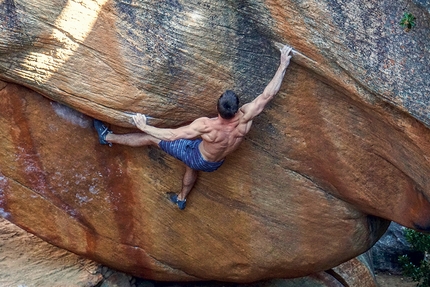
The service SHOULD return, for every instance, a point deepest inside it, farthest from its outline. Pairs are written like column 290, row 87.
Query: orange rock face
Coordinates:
column 28, row 261
column 342, row 149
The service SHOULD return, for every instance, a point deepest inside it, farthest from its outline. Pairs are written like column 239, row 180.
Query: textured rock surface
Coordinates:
column 69, row 192
column 26, row 260
column 342, row 149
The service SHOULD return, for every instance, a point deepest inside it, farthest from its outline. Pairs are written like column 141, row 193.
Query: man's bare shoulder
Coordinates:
column 202, row 124
column 245, row 112
column 244, row 107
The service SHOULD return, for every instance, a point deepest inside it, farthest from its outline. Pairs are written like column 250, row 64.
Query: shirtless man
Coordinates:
column 203, row 144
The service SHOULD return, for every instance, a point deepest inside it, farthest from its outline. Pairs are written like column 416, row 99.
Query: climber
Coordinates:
column 203, row 144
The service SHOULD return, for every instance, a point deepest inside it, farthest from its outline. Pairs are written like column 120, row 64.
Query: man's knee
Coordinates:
column 152, row 140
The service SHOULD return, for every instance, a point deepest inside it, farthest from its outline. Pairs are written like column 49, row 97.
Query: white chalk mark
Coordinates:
column 297, row 56
column 71, row 115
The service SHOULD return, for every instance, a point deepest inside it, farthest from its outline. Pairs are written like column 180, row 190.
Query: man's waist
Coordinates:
column 204, row 154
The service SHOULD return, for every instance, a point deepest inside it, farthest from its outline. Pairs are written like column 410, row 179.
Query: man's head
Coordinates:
column 228, row 104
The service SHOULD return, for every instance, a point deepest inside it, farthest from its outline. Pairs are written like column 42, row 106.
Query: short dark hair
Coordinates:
column 228, row 104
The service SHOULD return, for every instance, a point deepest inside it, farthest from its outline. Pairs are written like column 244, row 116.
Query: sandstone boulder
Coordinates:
column 26, row 260
column 342, row 150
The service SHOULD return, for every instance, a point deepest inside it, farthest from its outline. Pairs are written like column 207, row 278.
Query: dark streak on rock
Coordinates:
column 256, row 58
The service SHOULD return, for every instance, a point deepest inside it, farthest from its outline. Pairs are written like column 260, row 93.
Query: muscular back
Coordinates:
column 223, row 136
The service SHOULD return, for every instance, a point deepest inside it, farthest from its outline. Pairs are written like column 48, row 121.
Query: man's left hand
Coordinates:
column 285, row 55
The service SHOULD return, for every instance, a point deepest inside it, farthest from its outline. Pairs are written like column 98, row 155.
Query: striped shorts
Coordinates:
column 188, row 152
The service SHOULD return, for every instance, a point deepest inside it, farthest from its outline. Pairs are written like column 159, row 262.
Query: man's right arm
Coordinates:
column 254, row 108
column 191, row 131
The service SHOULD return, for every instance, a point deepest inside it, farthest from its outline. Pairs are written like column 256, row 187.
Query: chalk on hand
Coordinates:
column 131, row 114
column 297, row 56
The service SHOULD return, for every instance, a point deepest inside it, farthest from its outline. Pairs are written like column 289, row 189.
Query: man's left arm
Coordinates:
column 193, row 130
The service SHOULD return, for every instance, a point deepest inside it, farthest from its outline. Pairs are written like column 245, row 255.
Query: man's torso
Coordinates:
column 223, row 137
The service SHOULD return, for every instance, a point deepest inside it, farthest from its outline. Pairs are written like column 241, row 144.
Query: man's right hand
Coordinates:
column 285, row 57
column 140, row 121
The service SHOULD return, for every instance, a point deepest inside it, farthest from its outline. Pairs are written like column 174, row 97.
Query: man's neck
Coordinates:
column 225, row 121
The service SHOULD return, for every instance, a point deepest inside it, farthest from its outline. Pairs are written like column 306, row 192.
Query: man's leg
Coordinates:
column 133, row 139
column 188, row 182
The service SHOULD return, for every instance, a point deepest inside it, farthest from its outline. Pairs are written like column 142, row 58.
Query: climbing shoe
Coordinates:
column 174, row 198
column 102, row 131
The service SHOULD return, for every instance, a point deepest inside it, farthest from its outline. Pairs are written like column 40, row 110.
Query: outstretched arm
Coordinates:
column 193, row 130
column 255, row 107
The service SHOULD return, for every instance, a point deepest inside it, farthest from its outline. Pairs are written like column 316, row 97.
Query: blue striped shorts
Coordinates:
column 188, row 152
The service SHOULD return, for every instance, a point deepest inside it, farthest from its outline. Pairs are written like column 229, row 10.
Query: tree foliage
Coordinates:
column 418, row 272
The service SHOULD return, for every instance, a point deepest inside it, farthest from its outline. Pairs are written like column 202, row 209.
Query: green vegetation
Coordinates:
column 407, row 21
column 419, row 272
